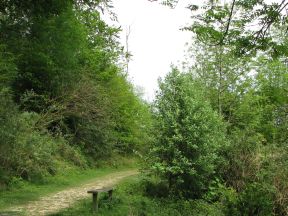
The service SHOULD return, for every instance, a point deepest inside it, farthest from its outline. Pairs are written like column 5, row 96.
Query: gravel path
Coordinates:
column 66, row 198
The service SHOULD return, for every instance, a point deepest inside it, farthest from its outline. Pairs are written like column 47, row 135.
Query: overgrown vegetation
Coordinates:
column 222, row 120
column 215, row 140
column 64, row 96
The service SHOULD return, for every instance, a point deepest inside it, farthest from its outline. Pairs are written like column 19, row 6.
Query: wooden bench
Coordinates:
column 95, row 193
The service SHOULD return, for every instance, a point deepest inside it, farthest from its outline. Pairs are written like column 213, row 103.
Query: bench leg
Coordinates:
column 95, row 202
column 110, row 195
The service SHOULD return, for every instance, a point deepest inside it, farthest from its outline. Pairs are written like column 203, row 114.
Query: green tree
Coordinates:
column 190, row 135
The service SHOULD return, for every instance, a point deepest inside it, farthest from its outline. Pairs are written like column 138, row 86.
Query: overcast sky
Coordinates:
column 155, row 40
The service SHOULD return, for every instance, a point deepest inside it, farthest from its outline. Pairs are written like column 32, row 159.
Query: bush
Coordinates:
column 190, row 136
column 154, row 187
column 243, row 158
column 30, row 155
column 257, row 199
column 26, row 151
column 225, row 196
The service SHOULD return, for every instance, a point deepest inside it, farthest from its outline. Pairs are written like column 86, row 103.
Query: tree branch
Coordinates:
column 228, row 24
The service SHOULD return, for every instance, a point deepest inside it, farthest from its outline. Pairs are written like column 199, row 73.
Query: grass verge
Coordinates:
column 22, row 192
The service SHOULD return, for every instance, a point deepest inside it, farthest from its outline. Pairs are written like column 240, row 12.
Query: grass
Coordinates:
column 22, row 192
column 129, row 199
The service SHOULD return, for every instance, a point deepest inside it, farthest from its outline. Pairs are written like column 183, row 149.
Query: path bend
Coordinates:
column 53, row 203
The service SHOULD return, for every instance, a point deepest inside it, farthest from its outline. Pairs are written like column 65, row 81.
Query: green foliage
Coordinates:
column 7, row 67
column 226, row 197
column 26, row 152
column 251, row 95
column 257, row 199
column 63, row 95
column 273, row 176
column 272, row 82
column 64, row 101
column 131, row 116
column 50, row 64
column 243, row 159
column 190, row 135
column 221, row 24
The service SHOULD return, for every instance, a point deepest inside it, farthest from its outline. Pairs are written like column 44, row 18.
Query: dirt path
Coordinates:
column 66, row 198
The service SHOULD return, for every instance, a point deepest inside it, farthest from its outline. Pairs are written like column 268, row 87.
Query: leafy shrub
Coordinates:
column 275, row 174
column 190, row 135
column 31, row 153
column 257, row 199
column 227, row 197
column 26, row 151
column 244, row 158
column 154, row 187
column 71, row 153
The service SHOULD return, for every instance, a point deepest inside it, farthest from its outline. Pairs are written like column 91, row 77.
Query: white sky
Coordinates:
column 155, row 40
